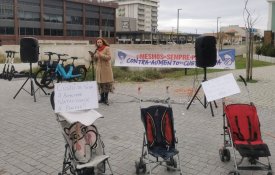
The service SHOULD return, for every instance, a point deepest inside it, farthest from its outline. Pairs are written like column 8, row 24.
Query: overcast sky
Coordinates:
column 201, row 15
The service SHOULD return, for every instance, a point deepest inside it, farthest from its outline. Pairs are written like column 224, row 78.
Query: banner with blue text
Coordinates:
column 170, row 59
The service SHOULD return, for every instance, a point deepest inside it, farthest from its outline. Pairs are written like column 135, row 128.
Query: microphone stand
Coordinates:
column 92, row 63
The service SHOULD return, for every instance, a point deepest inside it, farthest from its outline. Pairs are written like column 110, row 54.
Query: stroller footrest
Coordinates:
column 93, row 162
column 254, row 167
column 163, row 152
column 249, row 150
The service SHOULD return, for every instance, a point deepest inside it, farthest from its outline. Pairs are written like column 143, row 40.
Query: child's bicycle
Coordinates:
column 9, row 70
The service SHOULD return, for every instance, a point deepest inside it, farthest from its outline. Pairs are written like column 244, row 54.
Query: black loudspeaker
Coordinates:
column 206, row 51
column 29, row 50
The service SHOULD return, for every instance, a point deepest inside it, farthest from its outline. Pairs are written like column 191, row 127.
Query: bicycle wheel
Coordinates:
column 82, row 71
column 39, row 78
column 51, row 79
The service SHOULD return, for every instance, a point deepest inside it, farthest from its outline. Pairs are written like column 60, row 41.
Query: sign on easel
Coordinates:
column 75, row 96
column 220, row 87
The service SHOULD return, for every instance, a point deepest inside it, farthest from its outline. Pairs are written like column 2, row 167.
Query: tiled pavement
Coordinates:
column 31, row 141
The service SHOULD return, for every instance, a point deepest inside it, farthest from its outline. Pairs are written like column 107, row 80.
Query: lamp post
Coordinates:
column 218, row 31
column 178, row 26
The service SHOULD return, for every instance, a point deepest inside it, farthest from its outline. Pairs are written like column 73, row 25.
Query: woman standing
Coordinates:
column 104, row 72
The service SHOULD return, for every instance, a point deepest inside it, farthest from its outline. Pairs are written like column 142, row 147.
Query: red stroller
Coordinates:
column 242, row 132
column 159, row 141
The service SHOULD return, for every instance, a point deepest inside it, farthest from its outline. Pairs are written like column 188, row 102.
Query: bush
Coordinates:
column 270, row 52
column 258, row 50
column 267, row 50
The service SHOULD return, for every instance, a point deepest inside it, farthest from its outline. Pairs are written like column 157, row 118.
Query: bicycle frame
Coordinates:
column 66, row 75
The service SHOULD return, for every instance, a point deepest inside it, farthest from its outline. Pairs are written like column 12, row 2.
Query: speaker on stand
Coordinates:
column 29, row 52
column 206, row 56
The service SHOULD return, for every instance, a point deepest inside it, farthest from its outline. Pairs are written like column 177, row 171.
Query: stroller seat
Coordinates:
column 243, row 128
column 163, row 152
column 159, row 139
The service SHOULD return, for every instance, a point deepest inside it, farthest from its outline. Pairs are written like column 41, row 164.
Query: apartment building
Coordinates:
column 57, row 20
column 144, row 11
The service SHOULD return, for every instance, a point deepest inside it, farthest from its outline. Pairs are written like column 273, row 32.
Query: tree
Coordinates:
column 249, row 23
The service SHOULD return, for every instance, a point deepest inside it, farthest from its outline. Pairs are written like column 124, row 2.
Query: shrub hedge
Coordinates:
column 266, row 50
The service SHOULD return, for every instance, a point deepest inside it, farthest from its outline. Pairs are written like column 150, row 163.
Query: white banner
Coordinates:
column 169, row 59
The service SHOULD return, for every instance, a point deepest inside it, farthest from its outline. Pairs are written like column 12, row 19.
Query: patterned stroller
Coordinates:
column 84, row 149
column 242, row 132
column 159, row 141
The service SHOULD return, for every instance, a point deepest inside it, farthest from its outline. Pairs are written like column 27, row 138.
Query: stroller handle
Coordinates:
column 243, row 80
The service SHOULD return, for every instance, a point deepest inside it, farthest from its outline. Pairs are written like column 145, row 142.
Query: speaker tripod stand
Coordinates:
column 204, row 103
column 30, row 77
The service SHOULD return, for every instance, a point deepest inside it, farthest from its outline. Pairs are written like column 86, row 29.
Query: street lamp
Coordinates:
column 178, row 27
column 218, row 30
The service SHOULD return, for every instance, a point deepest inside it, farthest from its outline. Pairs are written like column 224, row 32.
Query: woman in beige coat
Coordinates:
column 104, row 72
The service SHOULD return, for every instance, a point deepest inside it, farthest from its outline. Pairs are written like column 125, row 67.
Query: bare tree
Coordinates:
column 249, row 23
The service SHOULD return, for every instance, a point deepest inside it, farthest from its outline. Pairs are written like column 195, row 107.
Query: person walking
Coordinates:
column 104, row 72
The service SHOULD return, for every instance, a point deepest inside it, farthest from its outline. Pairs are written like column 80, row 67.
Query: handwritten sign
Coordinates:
column 75, row 96
column 220, row 87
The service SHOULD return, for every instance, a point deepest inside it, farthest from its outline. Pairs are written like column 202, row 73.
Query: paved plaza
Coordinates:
column 32, row 144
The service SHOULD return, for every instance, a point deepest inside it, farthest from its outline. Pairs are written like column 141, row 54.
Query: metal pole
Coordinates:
column 218, row 32
column 178, row 27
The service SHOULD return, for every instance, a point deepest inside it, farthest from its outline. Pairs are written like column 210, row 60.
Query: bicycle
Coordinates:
column 45, row 66
column 8, row 69
column 79, row 69
column 60, row 73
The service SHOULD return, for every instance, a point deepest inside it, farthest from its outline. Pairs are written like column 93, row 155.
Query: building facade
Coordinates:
column 269, row 34
column 234, row 34
column 56, row 20
column 145, row 12
column 271, row 15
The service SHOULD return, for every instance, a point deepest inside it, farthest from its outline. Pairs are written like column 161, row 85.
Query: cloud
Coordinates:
column 201, row 15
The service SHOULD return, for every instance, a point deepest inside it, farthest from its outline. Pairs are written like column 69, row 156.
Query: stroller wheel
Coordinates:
column 224, row 154
column 234, row 173
column 140, row 167
column 269, row 173
column 171, row 163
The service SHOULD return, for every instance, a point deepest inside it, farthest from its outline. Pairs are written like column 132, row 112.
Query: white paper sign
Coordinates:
column 75, row 96
column 221, row 87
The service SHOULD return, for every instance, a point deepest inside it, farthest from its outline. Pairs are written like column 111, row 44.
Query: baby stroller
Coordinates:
column 242, row 132
column 159, row 141
column 84, row 149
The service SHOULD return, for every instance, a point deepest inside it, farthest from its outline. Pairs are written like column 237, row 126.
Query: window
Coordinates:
column 53, row 18
column 29, row 16
column 92, row 33
column 74, row 20
column 6, row 11
column 53, row 32
column 74, row 32
column 7, row 30
column 92, row 21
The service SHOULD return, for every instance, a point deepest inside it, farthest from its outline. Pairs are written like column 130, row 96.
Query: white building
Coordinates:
column 145, row 11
